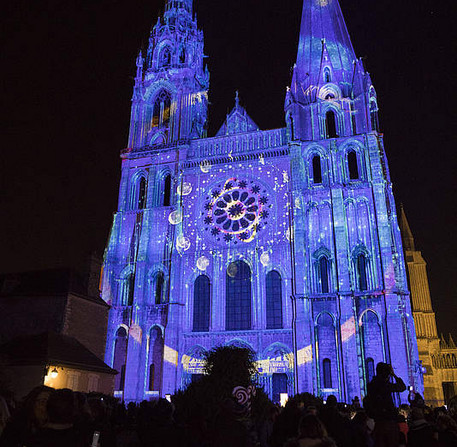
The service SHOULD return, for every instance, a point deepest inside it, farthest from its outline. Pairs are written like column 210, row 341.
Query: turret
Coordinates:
column 171, row 85
column 331, row 94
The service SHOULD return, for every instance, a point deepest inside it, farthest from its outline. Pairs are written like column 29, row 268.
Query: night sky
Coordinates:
column 67, row 72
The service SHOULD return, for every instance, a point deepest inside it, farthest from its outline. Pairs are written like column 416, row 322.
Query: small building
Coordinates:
column 55, row 360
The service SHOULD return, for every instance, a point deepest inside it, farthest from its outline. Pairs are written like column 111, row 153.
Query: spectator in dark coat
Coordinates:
column 421, row 433
column 380, row 406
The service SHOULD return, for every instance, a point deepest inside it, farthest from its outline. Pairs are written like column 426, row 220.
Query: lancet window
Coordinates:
column 317, row 170
column 202, row 292
column 324, row 267
column 159, row 288
column 274, row 300
column 238, row 297
column 120, row 357
column 331, row 125
column 161, row 110
column 361, row 265
column 353, row 166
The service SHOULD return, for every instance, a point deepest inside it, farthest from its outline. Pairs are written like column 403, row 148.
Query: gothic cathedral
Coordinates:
column 283, row 241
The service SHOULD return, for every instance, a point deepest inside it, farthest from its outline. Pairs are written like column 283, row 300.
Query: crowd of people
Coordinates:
column 48, row 418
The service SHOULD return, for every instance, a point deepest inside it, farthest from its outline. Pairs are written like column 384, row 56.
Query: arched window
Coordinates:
column 155, row 358
column 327, row 75
column 120, row 357
column 129, row 290
column 374, row 115
column 159, row 297
column 361, row 264
column 167, row 190
column 201, row 304
column 317, row 170
column 326, row 349
column 330, row 124
column 238, row 297
column 161, row 110
column 369, row 366
column 324, row 274
column 141, row 204
column 326, row 373
column 165, row 57
column 274, row 300
column 353, row 165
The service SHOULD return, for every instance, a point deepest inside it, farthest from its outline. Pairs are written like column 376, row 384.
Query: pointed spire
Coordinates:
column 323, row 35
column 451, row 342
column 406, row 233
column 237, row 99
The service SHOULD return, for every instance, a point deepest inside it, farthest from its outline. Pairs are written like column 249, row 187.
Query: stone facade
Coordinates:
column 285, row 241
column 438, row 356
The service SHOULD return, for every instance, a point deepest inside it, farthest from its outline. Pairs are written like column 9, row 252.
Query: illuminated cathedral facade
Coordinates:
column 283, row 241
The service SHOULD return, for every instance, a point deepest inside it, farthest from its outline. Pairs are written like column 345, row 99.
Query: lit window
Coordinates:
column 238, row 297
column 274, row 300
column 161, row 110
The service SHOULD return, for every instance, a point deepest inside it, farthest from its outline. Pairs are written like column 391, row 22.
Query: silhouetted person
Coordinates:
column 337, row 425
column 59, row 430
column 421, row 433
column 28, row 419
column 312, row 433
column 380, row 405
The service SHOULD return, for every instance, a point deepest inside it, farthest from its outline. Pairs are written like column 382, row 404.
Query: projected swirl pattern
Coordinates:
column 236, row 210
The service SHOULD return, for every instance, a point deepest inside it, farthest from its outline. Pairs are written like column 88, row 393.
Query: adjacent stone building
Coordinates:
column 438, row 356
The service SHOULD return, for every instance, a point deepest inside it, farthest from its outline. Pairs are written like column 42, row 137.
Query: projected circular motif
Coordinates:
column 236, row 210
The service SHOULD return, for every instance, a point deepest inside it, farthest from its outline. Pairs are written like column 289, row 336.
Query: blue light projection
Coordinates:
column 283, row 241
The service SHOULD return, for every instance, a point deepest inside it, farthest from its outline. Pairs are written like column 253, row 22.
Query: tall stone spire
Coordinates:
column 407, row 235
column 324, row 40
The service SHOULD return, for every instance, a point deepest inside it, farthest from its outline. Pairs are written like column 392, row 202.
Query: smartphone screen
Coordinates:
column 95, row 439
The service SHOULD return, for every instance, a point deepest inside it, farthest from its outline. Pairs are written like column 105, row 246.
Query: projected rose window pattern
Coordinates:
column 236, row 210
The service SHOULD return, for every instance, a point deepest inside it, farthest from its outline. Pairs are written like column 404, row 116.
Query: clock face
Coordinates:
column 236, row 210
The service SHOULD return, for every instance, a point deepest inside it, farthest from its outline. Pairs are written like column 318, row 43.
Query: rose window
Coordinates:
column 236, row 210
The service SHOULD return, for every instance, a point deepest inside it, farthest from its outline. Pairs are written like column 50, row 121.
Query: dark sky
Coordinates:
column 67, row 72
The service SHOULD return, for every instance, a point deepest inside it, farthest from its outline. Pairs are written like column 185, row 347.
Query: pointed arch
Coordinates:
column 327, row 351
column 331, row 125
column 327, row 75
column 161, row 110
column 273, row 288
column 165, row 57
column 155, row 358
column 238, row 297
column 352, row 165
column 372, row 341
column 202, row 303
column 317, row 169
column 138, row 191
column 159, row 288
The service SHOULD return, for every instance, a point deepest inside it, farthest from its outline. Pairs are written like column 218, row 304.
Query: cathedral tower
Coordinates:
column 283, row 241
